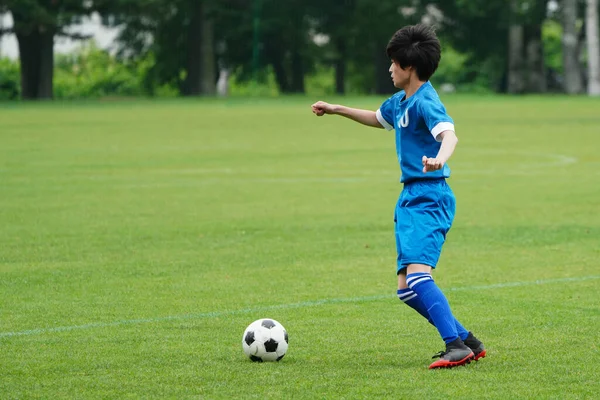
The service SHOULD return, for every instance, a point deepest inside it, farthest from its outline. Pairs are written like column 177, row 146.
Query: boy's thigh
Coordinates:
column 419, row 240
column 420, row 231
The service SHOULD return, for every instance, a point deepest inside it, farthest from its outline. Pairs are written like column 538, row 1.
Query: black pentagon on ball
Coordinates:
column 267, row 323
column 256, row 359
column 249, row 339
column 279, row 358
column 271, row 345
column 286, row 337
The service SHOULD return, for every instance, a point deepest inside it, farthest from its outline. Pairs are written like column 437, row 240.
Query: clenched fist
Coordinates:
column 431, row 164
column 320, row 108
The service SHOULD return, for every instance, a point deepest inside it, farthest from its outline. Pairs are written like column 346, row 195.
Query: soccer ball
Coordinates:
column 265, row 340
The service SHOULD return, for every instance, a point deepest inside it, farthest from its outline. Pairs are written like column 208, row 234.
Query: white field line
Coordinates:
column 311, row 303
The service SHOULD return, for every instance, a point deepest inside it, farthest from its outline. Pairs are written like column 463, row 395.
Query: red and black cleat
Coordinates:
column 456, row 354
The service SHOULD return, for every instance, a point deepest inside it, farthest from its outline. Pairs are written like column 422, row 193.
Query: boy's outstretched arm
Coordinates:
column 449, row 141
column 365, row 117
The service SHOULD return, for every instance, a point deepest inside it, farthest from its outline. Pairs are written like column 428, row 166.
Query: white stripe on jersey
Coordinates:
column 382, row 121
column 441, row 127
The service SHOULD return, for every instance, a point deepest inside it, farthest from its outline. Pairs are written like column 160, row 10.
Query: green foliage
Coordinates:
column 268, row 42
column 31, row 14
column 264, row 87
column 467, row 76
column 360, row 78
column 91, row 72
column 552, row 42
column 321, row 81
column 453, row 67
column 10, row 84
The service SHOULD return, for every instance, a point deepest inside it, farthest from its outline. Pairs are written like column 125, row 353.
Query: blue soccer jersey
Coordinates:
column 418, row 121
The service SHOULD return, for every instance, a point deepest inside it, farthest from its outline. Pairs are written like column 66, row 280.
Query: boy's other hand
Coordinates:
column 320, row 108
column 431, row 164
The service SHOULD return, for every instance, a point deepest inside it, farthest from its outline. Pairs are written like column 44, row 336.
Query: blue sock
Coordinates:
column 411, row 299
column 435, row 303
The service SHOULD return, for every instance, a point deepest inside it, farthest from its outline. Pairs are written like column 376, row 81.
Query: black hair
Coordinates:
column 416, row 46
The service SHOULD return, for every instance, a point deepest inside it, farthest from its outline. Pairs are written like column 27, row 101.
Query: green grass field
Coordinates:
column 139, row 239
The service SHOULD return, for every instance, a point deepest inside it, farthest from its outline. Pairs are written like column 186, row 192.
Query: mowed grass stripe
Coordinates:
column 313, row 303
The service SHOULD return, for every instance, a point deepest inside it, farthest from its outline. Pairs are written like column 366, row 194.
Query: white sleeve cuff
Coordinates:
column 441, row 127
column 382, row 121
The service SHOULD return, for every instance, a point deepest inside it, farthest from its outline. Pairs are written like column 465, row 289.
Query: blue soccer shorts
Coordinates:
column 423, row 216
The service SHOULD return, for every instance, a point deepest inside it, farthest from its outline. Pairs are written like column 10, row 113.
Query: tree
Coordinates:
column 480, row 30
column 526, row 68
column 269, row 35
column 572, row 75
column 375, row 24
column 508, row 38
column 36, row 23
column 337, row 20
column 516, row 39
column 535, row 69
column 200, row 62
column 286, row 42
column 593, row 46
column 179, row 34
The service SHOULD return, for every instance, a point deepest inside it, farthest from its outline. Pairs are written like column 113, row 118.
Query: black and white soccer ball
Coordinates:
column 265, row 340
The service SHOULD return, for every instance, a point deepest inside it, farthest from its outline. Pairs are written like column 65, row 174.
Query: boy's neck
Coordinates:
column 412, row 87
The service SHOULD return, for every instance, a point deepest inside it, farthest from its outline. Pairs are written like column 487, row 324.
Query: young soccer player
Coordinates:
column 425, row 140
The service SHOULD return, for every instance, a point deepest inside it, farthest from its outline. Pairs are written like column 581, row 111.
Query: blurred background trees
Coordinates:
column 193, row 47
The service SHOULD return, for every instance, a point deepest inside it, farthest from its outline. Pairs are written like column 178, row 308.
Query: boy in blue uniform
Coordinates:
column 425, row 140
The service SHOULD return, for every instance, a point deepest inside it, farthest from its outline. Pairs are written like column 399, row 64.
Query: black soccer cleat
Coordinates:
column 456, row 354
column 476, row 346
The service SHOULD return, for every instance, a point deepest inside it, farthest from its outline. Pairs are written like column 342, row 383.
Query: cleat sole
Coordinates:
column 452, row 364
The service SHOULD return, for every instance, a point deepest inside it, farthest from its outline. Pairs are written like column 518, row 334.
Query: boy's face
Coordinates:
column 400, row 76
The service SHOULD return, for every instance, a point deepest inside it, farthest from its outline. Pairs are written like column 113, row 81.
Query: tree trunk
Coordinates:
column 275, row 56
column 46, row 83
column 572, row 74
column 340, row 76
column 207, row 55
column 593, row 47
column 297, row 72
column 36, row 55
column 536, row 71
column 280, row 75
column 192, row 85
column 340, row 68
column 1, row 29
column 516, row 81
column 383, row 81
column 581, row 53
column 273, row 53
